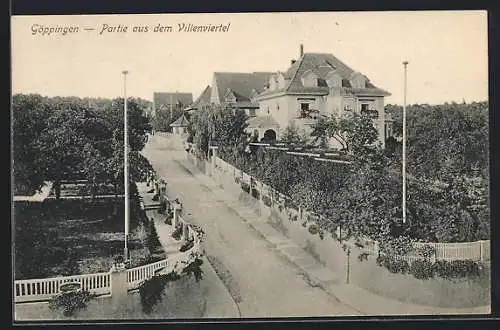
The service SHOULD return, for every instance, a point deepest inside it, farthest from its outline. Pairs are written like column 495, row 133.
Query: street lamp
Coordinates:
column 405, row 64
column 126, row 184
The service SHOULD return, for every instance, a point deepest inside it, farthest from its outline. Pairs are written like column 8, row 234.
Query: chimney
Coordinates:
column 301, row 50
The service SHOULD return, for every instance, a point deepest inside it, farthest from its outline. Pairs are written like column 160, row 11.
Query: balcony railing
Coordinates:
column 309, row 114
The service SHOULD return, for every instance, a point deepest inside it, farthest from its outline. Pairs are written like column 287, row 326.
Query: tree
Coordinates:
column 61, row 142
column 446, row 135
column 293, row 136
column 29, row 119
column 219, row 126
column 369, row 205
column 355, row 132
column 58, row 137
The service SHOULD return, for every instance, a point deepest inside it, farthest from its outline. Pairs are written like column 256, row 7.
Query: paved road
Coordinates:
column 262, row 283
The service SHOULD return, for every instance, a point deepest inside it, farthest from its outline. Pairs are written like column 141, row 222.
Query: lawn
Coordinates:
column 70, row 237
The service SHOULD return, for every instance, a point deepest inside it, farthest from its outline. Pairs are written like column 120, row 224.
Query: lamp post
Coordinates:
column 125, row 174
column 405, row 64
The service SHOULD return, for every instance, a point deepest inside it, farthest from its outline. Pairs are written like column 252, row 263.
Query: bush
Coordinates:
column 422, row 269
column 194, row 268
column 266, row 200
column 313, row 229
column 245, row 187
column 186, row 246
column 168, row 219
column 456, row 269
column 363, row 256
column 151, row 290
column 393, row 264
column 177, row 233
column 70, row 302
column 255, row 193
column 321, row 235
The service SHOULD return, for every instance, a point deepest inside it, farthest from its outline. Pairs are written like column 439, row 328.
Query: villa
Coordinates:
column 317, row 84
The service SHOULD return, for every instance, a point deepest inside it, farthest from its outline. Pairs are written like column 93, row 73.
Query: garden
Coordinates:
column 73, row 236
column 77, row 144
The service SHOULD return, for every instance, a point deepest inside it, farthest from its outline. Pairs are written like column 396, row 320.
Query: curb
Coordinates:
column 234, row 303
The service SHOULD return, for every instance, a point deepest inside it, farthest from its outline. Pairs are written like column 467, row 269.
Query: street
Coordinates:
column 260, row 281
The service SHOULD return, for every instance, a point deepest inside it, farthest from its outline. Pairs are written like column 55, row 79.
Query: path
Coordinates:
column 261, row 280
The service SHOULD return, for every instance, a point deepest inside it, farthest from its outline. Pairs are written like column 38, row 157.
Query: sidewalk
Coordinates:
column 364, row 302
column 219, row 302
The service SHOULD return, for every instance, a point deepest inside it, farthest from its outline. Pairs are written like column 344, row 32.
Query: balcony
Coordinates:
column 308, row 114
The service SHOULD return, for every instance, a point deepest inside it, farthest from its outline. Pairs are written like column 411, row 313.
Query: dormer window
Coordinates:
column 310, row 79
column 333, row 79
column 358, row 80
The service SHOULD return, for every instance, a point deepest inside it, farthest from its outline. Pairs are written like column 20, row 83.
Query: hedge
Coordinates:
column 425, row 269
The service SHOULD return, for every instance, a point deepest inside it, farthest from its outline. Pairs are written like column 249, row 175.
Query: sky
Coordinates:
column 447, row 51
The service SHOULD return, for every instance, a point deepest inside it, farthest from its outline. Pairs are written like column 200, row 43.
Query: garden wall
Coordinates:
column 366, row 274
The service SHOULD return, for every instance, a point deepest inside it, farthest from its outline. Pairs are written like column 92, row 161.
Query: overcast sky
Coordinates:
column 447, row 52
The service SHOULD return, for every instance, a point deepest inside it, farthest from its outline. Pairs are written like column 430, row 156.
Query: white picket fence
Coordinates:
column 476, row 251
column 44, row 289
column 100, row 284
column 135, row 276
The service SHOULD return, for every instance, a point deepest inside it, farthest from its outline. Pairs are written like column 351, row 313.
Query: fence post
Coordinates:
column 481, row 248
column 434, row 254
column 348, row 262
column 118, row 283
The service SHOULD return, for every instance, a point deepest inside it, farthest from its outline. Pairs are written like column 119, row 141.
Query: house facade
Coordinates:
column 202, row 102
column 319, row 84
column 237, row 90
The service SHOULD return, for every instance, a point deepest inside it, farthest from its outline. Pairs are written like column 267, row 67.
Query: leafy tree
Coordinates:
column 219, row 126
column 354, row 132
column 164, row 117
column 29, row 119
column 293, row 136
column 58, row 137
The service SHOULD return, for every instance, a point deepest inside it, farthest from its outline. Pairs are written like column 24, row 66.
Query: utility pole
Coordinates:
column 405, row 64
column 171, row 108
column 125, row 155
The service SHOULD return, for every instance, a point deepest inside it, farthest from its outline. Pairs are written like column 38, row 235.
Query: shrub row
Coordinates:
column 425, row 269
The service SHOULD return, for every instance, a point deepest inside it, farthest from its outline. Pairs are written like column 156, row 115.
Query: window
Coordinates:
column 366, row 109
column 304, row 110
